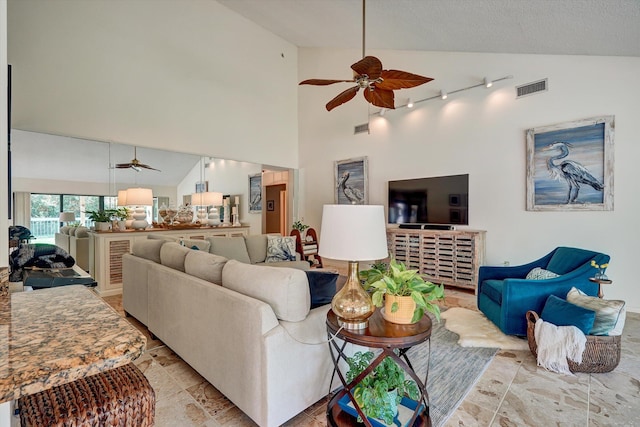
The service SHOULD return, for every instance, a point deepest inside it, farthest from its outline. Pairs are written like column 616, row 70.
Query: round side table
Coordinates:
column 600, row 282
column 387, row 336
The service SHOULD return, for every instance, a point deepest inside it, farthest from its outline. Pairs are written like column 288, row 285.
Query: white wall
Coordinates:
column 4, row 223
column 482, row 132
column 189, row 76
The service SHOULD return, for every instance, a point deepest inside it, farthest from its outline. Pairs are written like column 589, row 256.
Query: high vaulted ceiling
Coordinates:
column 567, row 27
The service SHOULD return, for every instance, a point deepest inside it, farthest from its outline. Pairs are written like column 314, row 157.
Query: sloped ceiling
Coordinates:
column 568, row 27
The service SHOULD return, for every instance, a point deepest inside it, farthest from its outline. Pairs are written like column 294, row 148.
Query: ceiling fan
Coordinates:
column 135, row 164
column 378, row 84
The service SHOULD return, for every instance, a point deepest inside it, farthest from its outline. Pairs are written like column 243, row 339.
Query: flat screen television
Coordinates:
column 433, row 200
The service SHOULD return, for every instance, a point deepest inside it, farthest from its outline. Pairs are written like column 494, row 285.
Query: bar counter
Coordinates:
column 58, row 335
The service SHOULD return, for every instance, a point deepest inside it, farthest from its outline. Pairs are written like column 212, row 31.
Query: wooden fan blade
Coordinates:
column 322, row 82
column 395, row 79
column 380, row 98
column 343, row 97
column 142, row 165
column 369, row 65
column 123, row 165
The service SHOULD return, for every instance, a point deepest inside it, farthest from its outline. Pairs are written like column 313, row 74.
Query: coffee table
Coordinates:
column 41, row 278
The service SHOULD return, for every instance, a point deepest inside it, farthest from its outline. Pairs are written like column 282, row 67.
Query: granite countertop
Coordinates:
column 58, row 335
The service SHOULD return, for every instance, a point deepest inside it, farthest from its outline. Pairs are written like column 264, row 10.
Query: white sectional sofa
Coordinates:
column 247, row 329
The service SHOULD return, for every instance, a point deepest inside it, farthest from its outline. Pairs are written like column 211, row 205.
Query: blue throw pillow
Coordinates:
column 563, row 313
column 322, row 285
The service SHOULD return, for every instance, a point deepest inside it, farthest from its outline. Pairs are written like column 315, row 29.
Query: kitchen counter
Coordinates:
column 58, row 335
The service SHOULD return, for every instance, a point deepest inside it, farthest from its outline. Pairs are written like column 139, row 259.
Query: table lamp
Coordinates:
column 67, row 217
column 139, row 197
column 207, row 198
column 353, row 233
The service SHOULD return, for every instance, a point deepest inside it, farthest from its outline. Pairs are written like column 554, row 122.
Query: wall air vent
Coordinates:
column 532, row 88
column 361, row 129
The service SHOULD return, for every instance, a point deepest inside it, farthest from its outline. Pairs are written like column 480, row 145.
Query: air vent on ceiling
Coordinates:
column 361, row 129
column 531, row 88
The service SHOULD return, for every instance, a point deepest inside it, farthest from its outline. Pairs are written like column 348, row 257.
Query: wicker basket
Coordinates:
column 601, row 353
column 117, row 397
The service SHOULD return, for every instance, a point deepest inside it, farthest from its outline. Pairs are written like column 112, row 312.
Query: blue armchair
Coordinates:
column 505, row 295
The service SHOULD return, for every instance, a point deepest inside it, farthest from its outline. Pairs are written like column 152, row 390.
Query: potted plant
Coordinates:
column 301, row 227
column 121, row 215
column 101, row 218
column 404, row 293
column 379, row 393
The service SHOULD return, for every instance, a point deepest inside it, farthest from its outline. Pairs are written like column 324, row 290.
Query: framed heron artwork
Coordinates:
column 255, row 193
column 351, row 186
column 570, row 166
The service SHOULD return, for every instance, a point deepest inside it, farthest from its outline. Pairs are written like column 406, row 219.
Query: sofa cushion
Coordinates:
column 147, row 249
column 82, row 232
column 205, row 266
column 286, row 290
column 72, row 231
column 563, row 313
column 280, row 248
column 322, row 286
column 200, row 244
column 173, row 254
column 610, row 314
column 230, row 248
column 256, row 247
column 493, row 289
column 541, row 274
column 64, row 229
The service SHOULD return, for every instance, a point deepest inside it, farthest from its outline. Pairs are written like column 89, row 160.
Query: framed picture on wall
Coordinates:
column 570, row 166
column 202, row 186
column 271, row 205
column 351, row 186
column 255, row 193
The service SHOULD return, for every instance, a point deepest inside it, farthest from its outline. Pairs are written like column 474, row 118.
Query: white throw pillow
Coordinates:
column 610, row 314
column 541, row 274
column 280, row 248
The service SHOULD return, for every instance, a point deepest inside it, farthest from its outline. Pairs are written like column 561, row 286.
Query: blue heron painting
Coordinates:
column 569, row 166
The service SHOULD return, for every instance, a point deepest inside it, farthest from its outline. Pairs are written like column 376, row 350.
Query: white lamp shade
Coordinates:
column 139, row 197
column 122, row 197
column 208, row 198
column 67, row 217
column 353, row 233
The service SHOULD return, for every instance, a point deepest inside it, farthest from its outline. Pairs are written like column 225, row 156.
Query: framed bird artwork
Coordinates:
column 570, row 166
column 351, row 186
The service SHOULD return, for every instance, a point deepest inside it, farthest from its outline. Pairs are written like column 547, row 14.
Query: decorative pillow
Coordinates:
column 541, row 274
column 172, row 255
column 563, row 313
column 82, row 232
column 322, row 285
column 200, row 244
column 280, row 248
column 205, row 266
column 610, row 314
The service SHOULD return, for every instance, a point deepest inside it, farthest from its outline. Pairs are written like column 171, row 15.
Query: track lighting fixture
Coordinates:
column 443, row 94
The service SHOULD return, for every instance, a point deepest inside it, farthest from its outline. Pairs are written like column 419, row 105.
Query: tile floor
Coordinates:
column 513, row 391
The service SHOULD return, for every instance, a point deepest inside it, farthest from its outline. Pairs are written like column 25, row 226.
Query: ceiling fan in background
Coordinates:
column 378, row 84
column 135, row 164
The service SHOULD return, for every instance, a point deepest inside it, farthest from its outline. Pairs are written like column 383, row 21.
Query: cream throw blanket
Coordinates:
column 556, row 344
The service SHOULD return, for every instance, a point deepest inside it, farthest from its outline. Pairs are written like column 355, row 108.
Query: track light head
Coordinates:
column 443, row 94
column 409, row 103
column 487, row 83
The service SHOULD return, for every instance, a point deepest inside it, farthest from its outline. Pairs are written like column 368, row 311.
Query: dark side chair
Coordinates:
column 505, row 295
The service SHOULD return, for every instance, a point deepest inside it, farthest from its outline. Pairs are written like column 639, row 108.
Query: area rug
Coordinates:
column 453, row 370
column 476, row 330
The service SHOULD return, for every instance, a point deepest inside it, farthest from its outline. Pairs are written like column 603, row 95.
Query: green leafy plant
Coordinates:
column 121, row 213
column 101, row 215
column 380, row 392
column 396, row 279
column 298, row 225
